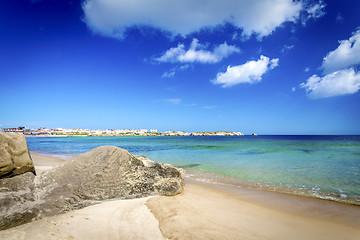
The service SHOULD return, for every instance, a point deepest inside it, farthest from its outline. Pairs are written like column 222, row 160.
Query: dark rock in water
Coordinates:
column 190, row 165
column 102, row 173
column 15, row 158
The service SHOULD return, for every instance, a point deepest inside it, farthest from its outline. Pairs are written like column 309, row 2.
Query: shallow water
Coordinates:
column 319, row 166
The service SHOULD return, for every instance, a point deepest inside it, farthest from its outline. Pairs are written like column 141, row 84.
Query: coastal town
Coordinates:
column 42, row 131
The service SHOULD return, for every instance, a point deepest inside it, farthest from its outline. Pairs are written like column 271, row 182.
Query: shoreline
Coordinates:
column 210, row 135
column 216, row 179
column 135, row 135
column 195, row 177
column 213, row 178
column 202, row 211
column 304, row 206
column 53, row 155
column 205, row 211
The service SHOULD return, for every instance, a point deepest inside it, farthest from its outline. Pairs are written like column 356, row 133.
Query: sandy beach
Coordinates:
column 43, row 163
column 202, row 211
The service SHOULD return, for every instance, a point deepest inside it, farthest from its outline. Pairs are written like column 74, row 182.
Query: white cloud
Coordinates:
column 184, row 67
column 287, row 48
column 169, row 74
column 293, row 89
column 337, row 83
column 346, row 55
column 261, row 17
column 250, row 72
column 316, row 11
column 171, row 100
column 338, row 65
column 197, row 53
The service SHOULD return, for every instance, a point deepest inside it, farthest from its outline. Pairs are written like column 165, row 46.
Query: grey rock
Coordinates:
column 103, row 173
column 15, row 158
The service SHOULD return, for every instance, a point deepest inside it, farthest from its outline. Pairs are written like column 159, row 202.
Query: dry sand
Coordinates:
column 125, row 219
column 202, row 211
column 206, row 211
column 118, row 219
column 43, row 163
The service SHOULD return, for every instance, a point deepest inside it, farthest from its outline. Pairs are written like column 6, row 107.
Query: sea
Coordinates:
column 326, row 167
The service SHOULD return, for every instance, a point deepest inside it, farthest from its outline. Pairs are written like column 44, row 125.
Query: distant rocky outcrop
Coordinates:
column 103, row 173
column 15, row 158
column 217, row 133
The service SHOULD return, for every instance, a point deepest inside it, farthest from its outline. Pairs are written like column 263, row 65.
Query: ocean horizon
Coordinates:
column 320, row 166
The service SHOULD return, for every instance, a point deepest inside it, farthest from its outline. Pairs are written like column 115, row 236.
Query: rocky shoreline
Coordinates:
column 103, row 173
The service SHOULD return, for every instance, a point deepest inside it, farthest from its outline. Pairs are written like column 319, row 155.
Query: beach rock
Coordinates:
column 103, row 173
column 15, row 158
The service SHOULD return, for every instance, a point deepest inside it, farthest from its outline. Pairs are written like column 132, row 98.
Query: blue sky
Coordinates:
column 270, row 67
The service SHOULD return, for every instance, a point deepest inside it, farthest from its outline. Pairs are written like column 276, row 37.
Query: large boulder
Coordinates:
column 103, row 173
column 15, row 158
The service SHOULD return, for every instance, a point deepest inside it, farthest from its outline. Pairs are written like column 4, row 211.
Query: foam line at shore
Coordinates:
column 289, row 203
column 299, row 191
column 202, row 211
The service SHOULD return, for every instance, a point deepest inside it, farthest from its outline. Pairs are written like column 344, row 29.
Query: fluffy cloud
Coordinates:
column 340, row 78
column 261, row 17
column 250, row 72
column 334, row 84
column 316, row 10
column 197, row 53
column 346, row 55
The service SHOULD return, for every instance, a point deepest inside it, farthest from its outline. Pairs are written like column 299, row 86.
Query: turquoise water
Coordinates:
column 318, row 166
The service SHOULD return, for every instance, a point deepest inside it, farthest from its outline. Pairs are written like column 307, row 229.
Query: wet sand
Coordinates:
column 210, row 211
column 202, row 211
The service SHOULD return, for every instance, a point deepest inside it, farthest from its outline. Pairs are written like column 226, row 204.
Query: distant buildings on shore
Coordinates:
column 111, row 132
column 16, row 130
column 78, row 131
